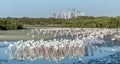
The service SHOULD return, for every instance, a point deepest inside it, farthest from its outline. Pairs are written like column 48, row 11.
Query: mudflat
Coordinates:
column 10, row 35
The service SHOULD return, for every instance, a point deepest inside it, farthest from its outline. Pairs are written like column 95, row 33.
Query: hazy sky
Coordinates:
column 45, row 8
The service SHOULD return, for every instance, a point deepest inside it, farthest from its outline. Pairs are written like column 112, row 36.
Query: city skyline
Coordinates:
column 70, row 13
column 45, row 8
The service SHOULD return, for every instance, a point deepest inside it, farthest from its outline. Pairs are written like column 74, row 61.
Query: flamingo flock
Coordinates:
column 84, row 41
column 47, row 49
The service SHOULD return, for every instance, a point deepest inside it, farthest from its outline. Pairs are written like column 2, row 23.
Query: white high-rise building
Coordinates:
column 82, row 13
column 71, row 13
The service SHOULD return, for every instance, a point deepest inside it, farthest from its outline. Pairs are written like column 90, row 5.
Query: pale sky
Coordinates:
column 45, row 8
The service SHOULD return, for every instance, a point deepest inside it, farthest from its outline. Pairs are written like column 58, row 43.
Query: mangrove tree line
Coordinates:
column 10, row 23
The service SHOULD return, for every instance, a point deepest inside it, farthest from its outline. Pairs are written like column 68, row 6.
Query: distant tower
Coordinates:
column 65, row 16
column 58, row 15
column 68, row 13
column 78, row 13
column 74, row 13
column 54, row 15
column 62, row 14
column 82, row 13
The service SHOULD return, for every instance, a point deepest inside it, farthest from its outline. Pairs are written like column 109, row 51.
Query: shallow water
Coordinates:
column 99, row 53
column 4, row 58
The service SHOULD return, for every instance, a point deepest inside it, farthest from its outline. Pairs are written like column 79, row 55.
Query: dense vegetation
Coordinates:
column 10, row 24
column 94, row 22
column 83, row 22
